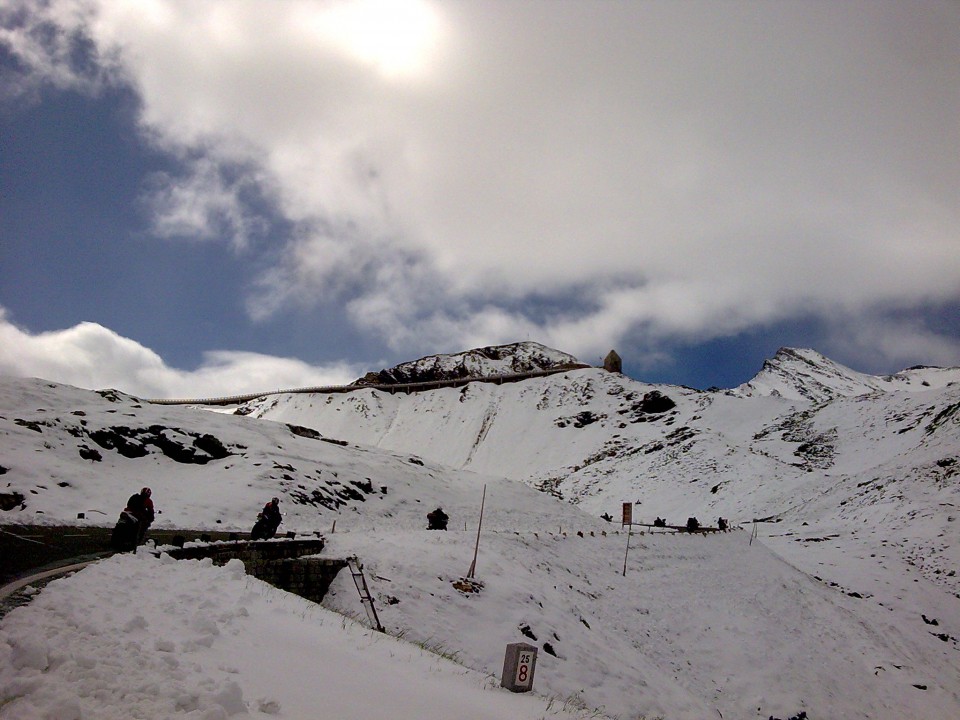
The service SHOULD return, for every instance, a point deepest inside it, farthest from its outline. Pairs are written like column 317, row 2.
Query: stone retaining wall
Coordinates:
column 281, row 563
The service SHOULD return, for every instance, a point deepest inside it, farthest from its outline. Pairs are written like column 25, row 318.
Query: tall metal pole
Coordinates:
column 476, row 547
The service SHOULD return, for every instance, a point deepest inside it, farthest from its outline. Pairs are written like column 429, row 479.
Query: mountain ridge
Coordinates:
column 853, row 500
column 482, row 362
column 795, row 373
column 805, row 374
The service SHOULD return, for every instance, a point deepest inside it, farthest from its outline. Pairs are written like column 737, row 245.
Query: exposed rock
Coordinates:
column 29, row 424
column 581, row 419
column 304, row 431
column 9, row 501
column 655, row 402
column 114, row 439
column 90, row 453
column 114, row 395
column 212, row 447
column 487, row 361
column 652, row 403
column 132, row 443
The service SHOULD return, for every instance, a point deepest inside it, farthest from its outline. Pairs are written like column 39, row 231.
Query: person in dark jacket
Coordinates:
column 140, row 505
column 271, row 514
column 437, row 520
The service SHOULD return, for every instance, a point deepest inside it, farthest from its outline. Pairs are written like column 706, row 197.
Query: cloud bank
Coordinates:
column 91, row 356
column 460, row 174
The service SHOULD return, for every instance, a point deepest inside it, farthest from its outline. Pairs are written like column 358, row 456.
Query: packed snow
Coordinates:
column 845, row 605
column 137, row 636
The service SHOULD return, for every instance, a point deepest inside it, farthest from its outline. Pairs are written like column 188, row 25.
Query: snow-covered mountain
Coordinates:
column 490, row 361
column 806, row 440
column 808, row 375
column 66, row 451
column 830, row 610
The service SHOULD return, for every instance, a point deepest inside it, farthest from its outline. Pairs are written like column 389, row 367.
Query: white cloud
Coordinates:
column 91, row 356
column 875, row 342
column 203, row 205
column 46, row 37
column 704, row 168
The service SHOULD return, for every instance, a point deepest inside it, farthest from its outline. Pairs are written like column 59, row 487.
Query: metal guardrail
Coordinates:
column 391, row 388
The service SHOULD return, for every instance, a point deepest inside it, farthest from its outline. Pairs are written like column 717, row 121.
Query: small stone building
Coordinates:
column 612, row 362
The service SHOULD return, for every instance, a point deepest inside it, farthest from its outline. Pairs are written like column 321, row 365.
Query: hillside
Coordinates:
column 830, row 610
column 66, row 451
column 875, row 454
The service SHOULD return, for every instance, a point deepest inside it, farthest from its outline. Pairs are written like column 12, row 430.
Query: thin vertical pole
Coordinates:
column 476, row 547
column 629, row 533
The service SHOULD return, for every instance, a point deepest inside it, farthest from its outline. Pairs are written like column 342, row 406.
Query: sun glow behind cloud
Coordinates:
column 394, row 36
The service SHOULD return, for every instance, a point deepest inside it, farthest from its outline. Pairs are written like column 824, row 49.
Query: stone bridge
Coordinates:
column 290, row 565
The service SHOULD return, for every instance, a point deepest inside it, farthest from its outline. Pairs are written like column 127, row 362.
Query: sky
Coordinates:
column 232, row 196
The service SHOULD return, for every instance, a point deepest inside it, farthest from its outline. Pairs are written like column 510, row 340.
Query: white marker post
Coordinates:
column 519, row 664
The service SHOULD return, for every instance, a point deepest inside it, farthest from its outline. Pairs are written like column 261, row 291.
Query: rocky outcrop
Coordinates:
column 490, row 361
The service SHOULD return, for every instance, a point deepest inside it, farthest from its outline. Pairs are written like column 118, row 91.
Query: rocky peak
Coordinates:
column 522, row 357
column 804, row 374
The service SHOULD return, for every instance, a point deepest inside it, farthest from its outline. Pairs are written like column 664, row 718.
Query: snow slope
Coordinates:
column 876, row 459
column 46, row 430
column 698, row 627
column 141, row 637
column 830, row 610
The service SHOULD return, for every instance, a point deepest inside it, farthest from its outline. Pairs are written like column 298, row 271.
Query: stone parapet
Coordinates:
column 285, row 564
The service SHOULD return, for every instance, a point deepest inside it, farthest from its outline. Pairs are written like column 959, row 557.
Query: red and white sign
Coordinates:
column 524, row 669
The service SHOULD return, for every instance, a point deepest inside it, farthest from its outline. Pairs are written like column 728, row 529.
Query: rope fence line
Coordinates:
column 391, row 388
